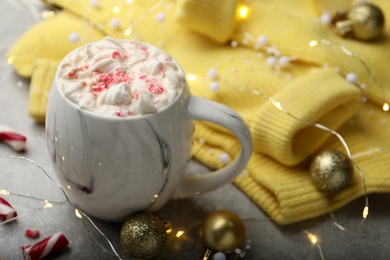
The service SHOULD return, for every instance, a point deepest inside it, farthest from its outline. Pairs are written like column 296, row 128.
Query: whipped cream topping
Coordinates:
column 120, row 78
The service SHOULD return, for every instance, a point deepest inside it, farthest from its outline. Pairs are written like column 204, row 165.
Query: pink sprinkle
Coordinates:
column 155, row 89
column 119, row 113
column 85, row 67
column 123, row 113
column 135, row 96
column 116, row 55
column 72, row 75
column 33, row 233
column 98, row 87
column 107, row 79
column 143, row 47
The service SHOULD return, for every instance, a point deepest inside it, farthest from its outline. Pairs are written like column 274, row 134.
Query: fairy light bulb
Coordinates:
column 116, row 9
column 127, row 32
column 242, row 12
column 4, row 192
column 48, row 14
column 365, row 212
column 48, row 205
column 10, row 60
column 313, row 239
column 313, row 43
column 77, row 213
column 179, row 233
column 385, row 107
column 192, row 77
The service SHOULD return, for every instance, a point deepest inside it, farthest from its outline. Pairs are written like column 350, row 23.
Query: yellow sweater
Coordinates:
column 307, row 85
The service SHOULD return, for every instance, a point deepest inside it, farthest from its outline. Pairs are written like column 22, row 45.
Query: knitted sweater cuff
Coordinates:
column 214, row 19
column 285, row 133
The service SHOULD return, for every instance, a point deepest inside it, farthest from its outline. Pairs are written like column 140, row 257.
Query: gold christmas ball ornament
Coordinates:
column 331, row 171
column 222, row 231
column 143, row 236
column 364, row 21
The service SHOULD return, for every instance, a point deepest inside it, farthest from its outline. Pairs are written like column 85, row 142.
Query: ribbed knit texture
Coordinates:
column 41, row 82
column 310, row 89
column 215, row 19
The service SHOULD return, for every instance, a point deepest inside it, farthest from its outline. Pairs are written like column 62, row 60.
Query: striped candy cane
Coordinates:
column 14, row 139
column 6, row 210
column 45, row 247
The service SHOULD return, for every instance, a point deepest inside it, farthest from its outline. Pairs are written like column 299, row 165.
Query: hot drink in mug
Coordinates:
column 119, row 127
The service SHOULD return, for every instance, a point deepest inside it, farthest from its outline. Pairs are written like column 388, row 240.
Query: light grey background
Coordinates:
column 268, row 240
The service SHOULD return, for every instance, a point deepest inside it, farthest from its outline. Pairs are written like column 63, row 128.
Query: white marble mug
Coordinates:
column 113, row 167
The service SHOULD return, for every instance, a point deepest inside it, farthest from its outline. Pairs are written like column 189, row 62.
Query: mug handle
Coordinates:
column 206, row 110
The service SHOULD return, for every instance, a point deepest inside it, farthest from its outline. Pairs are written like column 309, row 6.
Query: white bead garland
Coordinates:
column 284, row 61
column 214, row 86
column 160, row 17
column 95, row 3
column 219, row 256
column 351, row 77
column 115, row 23
column 271, row 61
column 224, row 158
column 326, row 17
column 262, row 40
column 212, row 73
column 74, row 37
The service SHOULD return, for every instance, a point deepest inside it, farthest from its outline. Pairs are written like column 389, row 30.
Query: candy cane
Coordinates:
column 33, row 233
column 6, row 210
column 45, row 247
column 14, row 139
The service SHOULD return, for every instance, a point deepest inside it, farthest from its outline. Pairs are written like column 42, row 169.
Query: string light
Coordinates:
column 10, row 60
column 242, row 12
column 313, row 43
column 48, row 14
column 191, row 77
column 168, row 228
column 358, row 59
column 48, row 205
column 179, row 233
column 4, row 192
column 116, row 9
column 127, row 32
column 77, row 213
column 312, row 238
column 385, row 107
column 315, row 242
column 365, row 212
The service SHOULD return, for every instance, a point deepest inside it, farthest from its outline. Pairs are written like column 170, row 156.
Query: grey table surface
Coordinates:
column 268, row 240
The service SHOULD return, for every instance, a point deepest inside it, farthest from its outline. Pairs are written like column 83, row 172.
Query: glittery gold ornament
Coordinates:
column 331, row 170
column 364, row 21
column 143, row 236
column 221, row 231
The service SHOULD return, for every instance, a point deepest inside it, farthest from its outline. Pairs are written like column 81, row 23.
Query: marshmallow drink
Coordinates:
column 120, row 78
column 119, row 128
